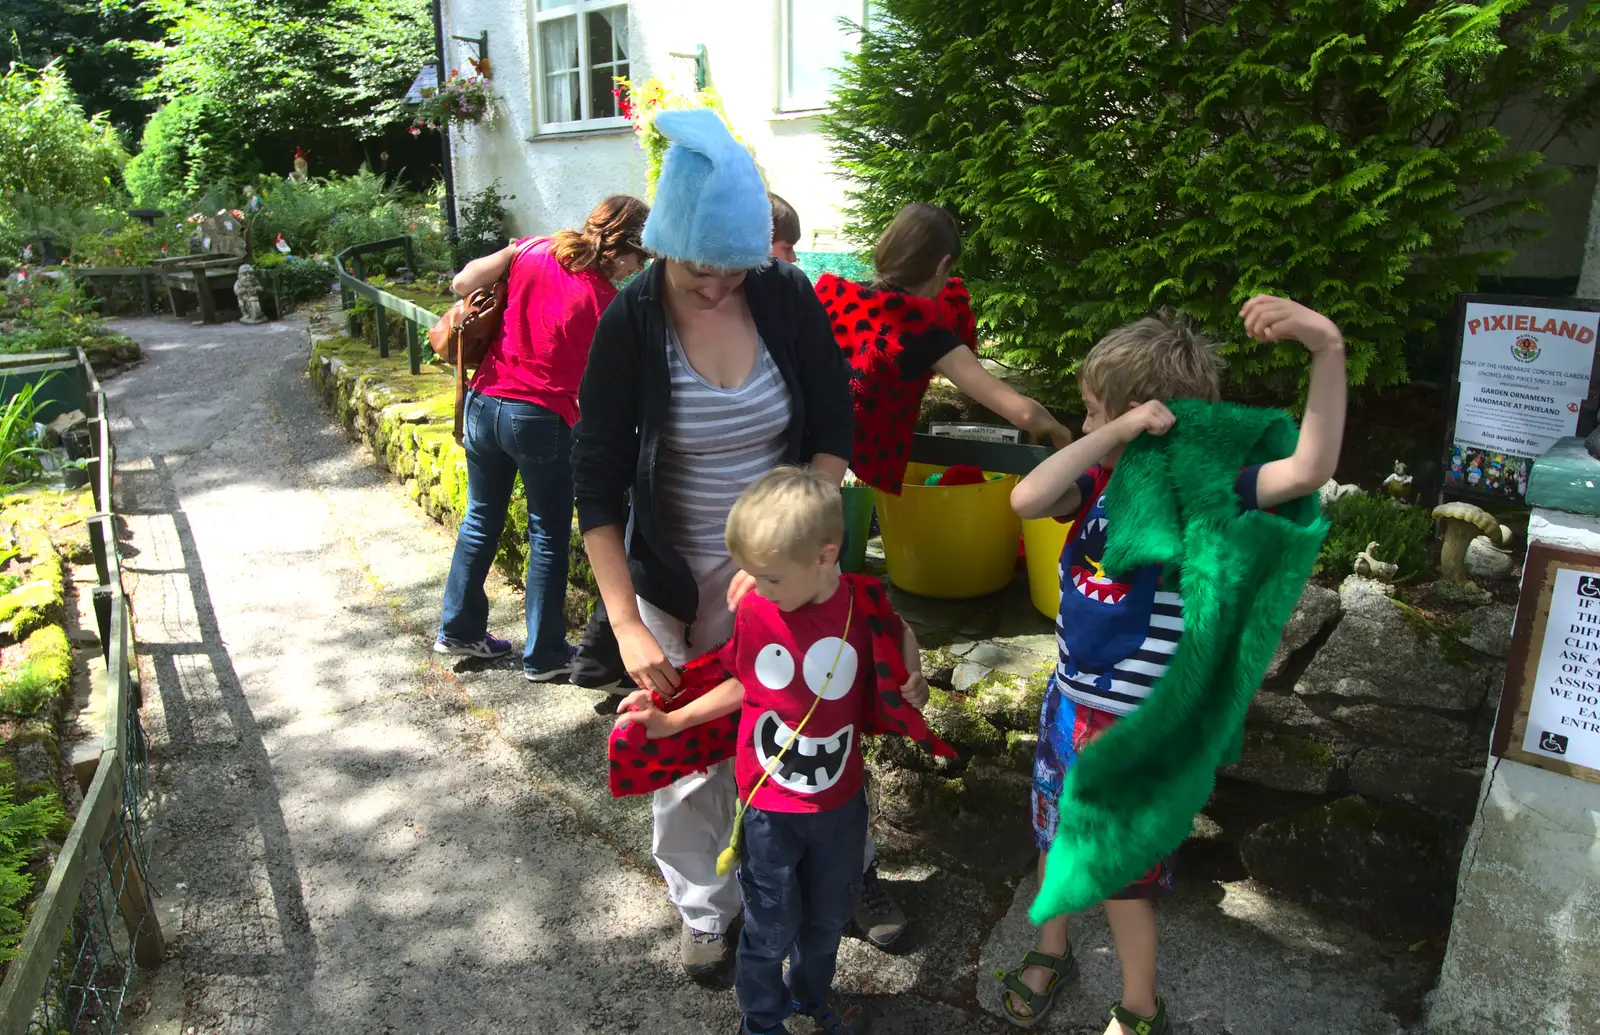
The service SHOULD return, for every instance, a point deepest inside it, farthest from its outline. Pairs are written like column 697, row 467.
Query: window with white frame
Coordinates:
column 812, row 42
column 580, row 49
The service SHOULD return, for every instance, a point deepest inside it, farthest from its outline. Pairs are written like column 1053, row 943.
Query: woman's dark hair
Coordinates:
column 610, row 233
column 909, row 251
column 785, row 220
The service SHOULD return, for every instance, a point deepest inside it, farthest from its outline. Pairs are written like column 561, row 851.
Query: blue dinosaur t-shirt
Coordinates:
column 1116, row 636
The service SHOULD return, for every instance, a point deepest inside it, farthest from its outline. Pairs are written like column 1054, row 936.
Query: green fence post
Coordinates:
column 381, row 316
column 411, row 256
column 413, row 346
column 359, row 272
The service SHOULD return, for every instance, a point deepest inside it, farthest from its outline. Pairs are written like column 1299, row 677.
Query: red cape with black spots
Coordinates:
column 874, row 328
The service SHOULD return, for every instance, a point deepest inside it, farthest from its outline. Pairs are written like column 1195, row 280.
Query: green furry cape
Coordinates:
column 1132, row 796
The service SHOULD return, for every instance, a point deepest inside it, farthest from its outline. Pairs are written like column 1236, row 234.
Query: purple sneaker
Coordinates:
column 488, row 647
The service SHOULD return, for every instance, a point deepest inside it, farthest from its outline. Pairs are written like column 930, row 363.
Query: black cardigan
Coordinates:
column 626, row 392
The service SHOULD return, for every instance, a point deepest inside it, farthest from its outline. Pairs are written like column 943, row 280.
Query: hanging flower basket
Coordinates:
column 640, row 102
column 459, row 99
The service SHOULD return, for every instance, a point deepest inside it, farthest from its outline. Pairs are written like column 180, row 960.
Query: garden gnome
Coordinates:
column 1398, row 484
column 247, row 289
column 302, row 171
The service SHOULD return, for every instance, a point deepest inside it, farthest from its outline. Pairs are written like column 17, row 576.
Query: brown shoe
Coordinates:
column 704, row 953
column 877, row 917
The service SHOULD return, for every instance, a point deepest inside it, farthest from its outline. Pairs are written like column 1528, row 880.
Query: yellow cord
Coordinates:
column 730, row 854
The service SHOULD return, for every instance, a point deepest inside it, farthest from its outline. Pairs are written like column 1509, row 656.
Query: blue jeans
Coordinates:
column 504, row 438
column 801, row 877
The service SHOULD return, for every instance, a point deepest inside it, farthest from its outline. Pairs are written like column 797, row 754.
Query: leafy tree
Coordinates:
column 50, row 150
column 1107, row 157
column 188, row 148
column 89, row 38
column 292, row 66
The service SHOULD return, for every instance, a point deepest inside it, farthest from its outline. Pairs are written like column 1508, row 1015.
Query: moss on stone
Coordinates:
column 1008, row 703
column 995, row 791
column 933, row 639
column 1446, row 638
column 957, row 722
column 41, row 680
column 1021, row 750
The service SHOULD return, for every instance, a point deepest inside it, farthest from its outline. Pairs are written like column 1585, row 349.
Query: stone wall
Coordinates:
column 1359, row 772
column 1370, row 736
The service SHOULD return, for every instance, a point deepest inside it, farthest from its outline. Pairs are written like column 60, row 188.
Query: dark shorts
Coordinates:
column 1065, row 728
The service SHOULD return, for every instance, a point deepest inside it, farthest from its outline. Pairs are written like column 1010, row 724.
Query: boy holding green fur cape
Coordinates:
column 1176, row 578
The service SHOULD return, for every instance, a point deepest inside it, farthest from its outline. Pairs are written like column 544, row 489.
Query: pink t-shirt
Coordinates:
column 549, row 324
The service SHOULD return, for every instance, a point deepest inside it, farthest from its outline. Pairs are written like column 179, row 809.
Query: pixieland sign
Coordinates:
column 1524, row 371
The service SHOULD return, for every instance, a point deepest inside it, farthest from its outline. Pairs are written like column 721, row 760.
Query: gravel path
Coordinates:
column 354, row 837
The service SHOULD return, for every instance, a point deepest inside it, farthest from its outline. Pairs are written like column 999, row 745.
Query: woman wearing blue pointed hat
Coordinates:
column 713, row 367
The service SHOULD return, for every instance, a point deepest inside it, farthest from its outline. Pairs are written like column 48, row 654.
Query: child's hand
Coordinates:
column 1268, row 318
column 656, row 723
column 635, row 701
column 1148, row 418
column 915, row 691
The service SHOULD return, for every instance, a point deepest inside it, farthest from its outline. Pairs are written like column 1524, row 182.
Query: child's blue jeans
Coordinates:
column 801, row 877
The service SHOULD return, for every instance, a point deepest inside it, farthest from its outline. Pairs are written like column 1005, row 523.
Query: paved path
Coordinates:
column 368, row 841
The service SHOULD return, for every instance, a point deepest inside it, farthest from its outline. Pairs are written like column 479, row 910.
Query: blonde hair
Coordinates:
column 790, row 513
column 1160, row 357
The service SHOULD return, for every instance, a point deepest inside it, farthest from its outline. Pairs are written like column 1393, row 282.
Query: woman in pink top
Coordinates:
column 519, row 416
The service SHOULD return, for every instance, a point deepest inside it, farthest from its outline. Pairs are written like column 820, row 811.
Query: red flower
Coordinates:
column 415, row 131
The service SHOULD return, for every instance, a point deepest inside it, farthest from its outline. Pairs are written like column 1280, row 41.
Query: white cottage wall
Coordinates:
column 557, row 178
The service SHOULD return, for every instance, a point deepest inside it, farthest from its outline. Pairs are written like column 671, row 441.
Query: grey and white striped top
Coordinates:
column 715, row 444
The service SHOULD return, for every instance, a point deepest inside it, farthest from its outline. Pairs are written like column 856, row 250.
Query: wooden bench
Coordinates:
column 207, row 274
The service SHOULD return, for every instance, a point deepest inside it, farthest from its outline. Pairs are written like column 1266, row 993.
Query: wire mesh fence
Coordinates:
column 94, row 925
column 96, row 968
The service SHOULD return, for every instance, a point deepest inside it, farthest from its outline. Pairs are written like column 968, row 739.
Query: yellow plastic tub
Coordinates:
column 949, row 541
column 1042, row 540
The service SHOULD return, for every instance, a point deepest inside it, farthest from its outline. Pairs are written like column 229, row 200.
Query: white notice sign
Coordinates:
column 1524, row 372
column 1564, row 704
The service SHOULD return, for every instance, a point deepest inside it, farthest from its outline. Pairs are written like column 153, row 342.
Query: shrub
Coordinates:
column 44, row 313
column 188, row 147
column 482, row 226
column 1404, row 534
column 21, row 828
column 1107, row 158
column 49, row 149
column 329, row 215
column 299, row 280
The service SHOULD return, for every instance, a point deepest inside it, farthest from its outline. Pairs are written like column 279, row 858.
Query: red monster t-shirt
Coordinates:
column 786, row 661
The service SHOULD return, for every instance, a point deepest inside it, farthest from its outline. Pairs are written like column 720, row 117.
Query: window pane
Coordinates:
column 552, row 5
column 608, row 59
column 814, row 43
column 558, row 53
column 600, row 52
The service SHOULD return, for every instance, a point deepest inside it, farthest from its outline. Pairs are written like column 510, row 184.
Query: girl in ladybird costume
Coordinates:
column 807, row 673
column 914, row 321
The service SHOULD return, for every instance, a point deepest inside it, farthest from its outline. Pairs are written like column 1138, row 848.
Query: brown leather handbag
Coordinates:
column 462, row 336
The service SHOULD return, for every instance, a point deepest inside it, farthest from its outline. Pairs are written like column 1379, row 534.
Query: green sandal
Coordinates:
column 1133, row 1024
column 1062, row 969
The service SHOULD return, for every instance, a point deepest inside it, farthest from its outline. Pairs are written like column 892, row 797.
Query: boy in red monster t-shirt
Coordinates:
column 801, row 655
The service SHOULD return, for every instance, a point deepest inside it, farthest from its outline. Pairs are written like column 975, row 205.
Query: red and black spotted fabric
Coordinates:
column 639, row 765
column 891, row 340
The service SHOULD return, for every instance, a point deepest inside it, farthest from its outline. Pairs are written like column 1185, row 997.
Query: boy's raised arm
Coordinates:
column 1270, row 319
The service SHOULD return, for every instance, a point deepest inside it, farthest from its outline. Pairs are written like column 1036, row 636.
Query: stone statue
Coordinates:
column 247, row 289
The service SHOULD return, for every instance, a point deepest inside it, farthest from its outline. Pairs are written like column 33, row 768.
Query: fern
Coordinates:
column 21, row 827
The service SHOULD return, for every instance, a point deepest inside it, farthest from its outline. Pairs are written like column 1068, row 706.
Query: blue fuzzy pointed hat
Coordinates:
column 711, row 206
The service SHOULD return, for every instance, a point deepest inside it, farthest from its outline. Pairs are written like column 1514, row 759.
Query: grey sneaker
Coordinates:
column 704, row 953
column 878, row 919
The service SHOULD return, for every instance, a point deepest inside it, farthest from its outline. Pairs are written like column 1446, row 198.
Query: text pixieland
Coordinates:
column 1527, row 322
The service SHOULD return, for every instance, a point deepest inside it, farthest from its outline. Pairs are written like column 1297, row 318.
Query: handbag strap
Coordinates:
column 461, row 383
